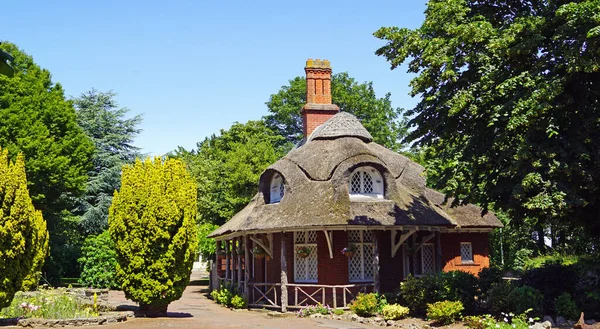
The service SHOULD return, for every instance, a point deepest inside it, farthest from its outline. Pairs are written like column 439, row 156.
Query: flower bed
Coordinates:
column 60, row 307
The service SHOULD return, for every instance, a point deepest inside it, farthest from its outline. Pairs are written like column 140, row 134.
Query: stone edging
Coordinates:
column 105, row 318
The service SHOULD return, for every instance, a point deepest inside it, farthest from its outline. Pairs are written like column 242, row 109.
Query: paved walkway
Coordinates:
column 194, row 310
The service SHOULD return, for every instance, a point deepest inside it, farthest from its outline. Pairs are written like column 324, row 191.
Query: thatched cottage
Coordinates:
column 341, row 214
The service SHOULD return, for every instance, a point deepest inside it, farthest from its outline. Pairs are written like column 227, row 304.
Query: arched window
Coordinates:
column 277, row 189
column 366, row 182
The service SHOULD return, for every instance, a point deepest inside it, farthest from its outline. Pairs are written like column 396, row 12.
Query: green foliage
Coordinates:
column 553, row 280
column 376, row 114
column 98, row 262
column 526, row 298
column 338, row 311
column 23, row 234
column 227, row 168
column 508, row 321
column 48, row 304
column 206, row 246
column 553, row 259
column 222, row 296
column 394, row 312
column 445, row 312
column 37, row 121
column 367, row 304
column 508, row 297
column 416, row 293
column 227, row 296
column 488, row 277
column 314, row 309
column 498, row 297
column 104, row 122
column 509, row 104
column 238, row 302
column 566, row 307
column 152, row 221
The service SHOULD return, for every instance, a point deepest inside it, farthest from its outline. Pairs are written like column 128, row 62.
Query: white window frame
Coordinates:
column 376, row 178
column 302, row 277
column 432, row 259
column 468, row 261
column 277, row 189
column 361, row 246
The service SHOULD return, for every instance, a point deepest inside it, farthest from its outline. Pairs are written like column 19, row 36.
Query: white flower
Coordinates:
column 514, row 326
column 497, row 325
column 531, row 320
column 506, row 320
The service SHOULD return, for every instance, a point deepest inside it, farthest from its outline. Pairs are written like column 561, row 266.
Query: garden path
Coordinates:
column 195, row 310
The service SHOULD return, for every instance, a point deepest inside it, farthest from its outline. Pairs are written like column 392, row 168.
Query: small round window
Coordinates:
column 277, row 189
column 366, row 182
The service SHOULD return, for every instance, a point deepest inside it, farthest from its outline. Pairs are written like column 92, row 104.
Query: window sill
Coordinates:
column 468, row 264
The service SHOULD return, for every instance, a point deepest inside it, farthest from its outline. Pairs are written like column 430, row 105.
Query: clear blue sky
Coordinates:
column 195, row 67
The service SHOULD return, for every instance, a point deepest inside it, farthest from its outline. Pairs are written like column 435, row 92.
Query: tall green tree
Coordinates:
column 152, row 221
column 227, row 167
column 23, row 234
column 384, row 122
column 37, row 120
column 509, row 102
column 100, row 117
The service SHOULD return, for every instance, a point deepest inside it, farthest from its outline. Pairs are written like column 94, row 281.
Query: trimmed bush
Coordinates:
column 498, row 298
column 98, row 262
column 445, row 312
column 152, row 221
column 566, row 307
column 365, row 304
column 394, row 312
column 23, row 233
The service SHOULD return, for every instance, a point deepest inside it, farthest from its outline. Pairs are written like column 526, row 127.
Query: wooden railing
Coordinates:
column 269, row 294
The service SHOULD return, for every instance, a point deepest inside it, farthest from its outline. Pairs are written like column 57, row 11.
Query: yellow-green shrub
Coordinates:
column 364, row 304
column 445, row 311
column 23, row 233
column 394, row 312
column 152, row 222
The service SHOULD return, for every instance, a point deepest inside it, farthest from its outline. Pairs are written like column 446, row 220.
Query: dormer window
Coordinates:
column 366, row 182
column 277, row 189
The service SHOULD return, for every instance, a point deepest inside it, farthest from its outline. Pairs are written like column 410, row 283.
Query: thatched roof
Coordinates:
column 316, row 176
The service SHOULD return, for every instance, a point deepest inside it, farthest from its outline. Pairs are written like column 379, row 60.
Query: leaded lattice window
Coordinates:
column 466, row 252
column 366, row 182
column 427, row 259
column 306, row 269
column 360, row 266
column 277, row 189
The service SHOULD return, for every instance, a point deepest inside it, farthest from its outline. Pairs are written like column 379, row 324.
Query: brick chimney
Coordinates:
column 318, row 108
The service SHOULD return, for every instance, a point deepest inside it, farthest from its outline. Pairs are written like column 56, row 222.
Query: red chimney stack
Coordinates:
column 318, row 108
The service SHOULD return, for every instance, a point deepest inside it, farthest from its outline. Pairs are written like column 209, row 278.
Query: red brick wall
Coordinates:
column 451, row 251
column 311, row 119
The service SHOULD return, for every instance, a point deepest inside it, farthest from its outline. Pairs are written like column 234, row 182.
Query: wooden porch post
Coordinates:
column 239, row 264
column 438, row 252
column 246, row 269
column 233, row 263
column 284, row 279
column 377, row 283
column 217, row 282
column 227, row 259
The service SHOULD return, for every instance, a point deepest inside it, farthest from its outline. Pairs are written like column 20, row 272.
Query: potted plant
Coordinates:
column 258, row 252
column 303, row 252
column 349, row 251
